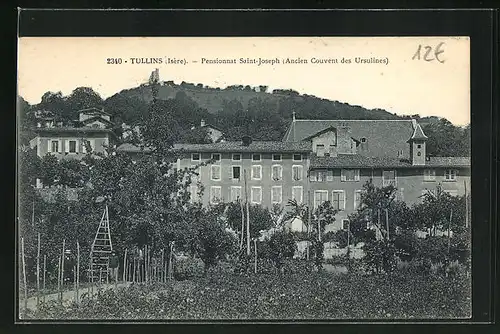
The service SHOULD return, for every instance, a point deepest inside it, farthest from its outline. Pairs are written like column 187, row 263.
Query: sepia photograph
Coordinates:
column 243, row 178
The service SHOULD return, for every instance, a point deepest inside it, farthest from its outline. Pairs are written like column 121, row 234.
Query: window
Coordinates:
column 297, row 194
column 357, row 199
column 320, row 150
column 215, row 194
column 320, row 196
column 297, row 171
column 276, row 157
column 389, row 178
column 235, row 193
column 236, row 157
column 72, row 146
column 236, row 172
column 312, row 176
column 419, row 146
column 329, row 175
column 400, row 153
column 297, row 157
column 338, row 199
column 256, row 172
column 345, row 224
column 320, row 175
column 215, row 172
column 256, row 196
column 419, row 154
column 216, row 156
column 429, row 175
column 54, row 146
column 363, row 139
column 276, row 195
column 450, row 175
column 277, row 172
column 256, row 157
column 349, row 175
column 195, row 157
column 451, row 192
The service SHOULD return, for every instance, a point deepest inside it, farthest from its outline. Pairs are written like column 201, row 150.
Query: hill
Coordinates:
column 215, row 99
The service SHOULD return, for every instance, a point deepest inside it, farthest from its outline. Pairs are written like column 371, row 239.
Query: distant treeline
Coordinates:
column 238, row 110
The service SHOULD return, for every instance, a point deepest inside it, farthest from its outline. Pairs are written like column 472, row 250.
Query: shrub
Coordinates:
column 281, row 246
column 187, row 268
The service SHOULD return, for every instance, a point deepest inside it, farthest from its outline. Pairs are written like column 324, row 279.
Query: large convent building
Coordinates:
column 323, row 160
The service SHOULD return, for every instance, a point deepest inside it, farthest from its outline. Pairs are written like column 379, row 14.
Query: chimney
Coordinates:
column 202, row 124
column 246, row 140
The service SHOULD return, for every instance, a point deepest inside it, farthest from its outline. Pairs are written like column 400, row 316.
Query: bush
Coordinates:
column 188, row 268
column 281, row 246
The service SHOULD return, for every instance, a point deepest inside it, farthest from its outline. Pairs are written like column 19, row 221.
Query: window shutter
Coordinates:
column 84, row 146
column 329, row 175
column 76, row 146
column 342, row 201
column 66, row 146
column 49, row 145
column 356, row 175
column 335, row 200
column 342, row 176
column 59, row 145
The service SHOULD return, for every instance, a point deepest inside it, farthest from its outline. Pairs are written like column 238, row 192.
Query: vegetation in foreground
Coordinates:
column 295, row 295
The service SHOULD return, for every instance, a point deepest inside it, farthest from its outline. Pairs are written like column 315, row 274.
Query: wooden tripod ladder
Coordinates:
column 101, row 250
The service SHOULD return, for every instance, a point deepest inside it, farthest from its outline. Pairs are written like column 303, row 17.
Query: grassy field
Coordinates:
column 269, row 296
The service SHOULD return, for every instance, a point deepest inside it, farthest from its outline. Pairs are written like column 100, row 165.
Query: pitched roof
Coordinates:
column 97, row 117
column 418, row 133
column 359, row 161
column 255, row 146
column 71, row 129
column 93, row 110
column 383, row 137
column 448, row 162
column 131, row 148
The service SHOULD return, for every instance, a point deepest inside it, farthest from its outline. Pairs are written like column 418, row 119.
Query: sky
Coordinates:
column 395, row 76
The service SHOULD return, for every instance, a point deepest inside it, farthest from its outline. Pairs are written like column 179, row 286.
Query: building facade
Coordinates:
column 323, row 160
column 92, row 132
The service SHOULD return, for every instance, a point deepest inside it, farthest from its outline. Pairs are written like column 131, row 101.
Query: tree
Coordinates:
column 213, row 242
column 260, row 219
column 281, row 246
column 83, row 98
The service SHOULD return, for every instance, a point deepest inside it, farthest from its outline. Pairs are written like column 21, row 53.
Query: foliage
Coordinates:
column 270, row 296
column 447, row 140
column 213, row 242
column 188, row 268
column 260, row 219
column 281, row 246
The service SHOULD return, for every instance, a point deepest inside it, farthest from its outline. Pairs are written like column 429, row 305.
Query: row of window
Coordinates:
column 336, row 197
column 388, row 176
column 71, row 145
column 255, row 196
column 238, row 157
column 235, row 172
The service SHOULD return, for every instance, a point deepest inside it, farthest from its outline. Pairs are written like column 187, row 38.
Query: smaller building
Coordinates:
column 90, row 133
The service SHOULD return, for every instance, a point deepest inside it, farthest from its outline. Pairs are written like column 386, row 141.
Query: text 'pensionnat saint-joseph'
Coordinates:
column 261, row 61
